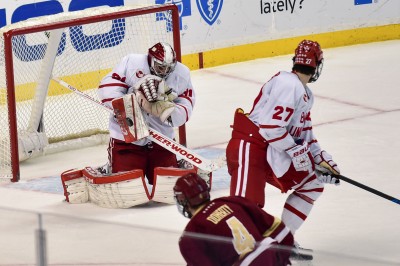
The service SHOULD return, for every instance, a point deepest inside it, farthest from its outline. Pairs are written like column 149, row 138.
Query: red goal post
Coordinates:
column 38, row 116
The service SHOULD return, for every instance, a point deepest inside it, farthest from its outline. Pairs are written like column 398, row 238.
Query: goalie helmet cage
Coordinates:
column 38, row 116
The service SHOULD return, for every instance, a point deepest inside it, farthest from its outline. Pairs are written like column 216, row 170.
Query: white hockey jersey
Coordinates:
column 123, row 77
column 282, row 112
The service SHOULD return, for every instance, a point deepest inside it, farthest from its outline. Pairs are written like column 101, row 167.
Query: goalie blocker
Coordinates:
column 129, row 116
column 128, row 109
column 124, row 189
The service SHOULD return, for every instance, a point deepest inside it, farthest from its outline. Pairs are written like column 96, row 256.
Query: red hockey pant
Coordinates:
column 127, row 156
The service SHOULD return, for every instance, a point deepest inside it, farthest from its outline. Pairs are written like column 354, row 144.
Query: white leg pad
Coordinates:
column 119, row 190
column 75, row 186
column 164, row 181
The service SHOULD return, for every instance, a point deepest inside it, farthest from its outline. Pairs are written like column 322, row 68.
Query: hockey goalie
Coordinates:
column 144, row 90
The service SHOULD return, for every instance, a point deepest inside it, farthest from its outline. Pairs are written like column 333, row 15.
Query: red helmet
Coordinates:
column 309, row 53
column 190, row 190
column 162, row 59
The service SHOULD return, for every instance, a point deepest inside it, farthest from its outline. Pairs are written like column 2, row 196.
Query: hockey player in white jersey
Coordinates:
column 146, row 75
column 275, row 143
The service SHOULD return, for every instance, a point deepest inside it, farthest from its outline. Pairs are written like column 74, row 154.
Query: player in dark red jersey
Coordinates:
column 228, row 230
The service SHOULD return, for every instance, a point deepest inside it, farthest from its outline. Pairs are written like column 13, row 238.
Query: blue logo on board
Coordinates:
column 184, row 8
column 362, row 2
column 209, row 9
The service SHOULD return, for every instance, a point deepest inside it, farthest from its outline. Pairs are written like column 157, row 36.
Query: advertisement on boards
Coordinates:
column 213, row 24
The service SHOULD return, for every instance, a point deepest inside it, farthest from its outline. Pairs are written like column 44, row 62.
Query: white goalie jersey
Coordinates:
column 282, row 112
column 121, row 80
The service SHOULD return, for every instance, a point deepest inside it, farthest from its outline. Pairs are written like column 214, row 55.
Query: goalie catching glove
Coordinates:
column 154, row 89
column 165, row 93
column 155, row 97
column 148, row 85
column 161, row 109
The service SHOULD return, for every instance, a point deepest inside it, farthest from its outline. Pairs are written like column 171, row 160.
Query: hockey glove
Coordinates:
column 148, row 85
column 301, row 157
column 327, row 178
column 161, row 109
column 324, row 160
column 165, row 93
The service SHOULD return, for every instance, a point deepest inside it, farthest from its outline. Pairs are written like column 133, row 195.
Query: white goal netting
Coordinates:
column 37, row 115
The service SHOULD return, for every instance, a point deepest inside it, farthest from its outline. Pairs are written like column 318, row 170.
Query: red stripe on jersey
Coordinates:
column 257, row 99
column 184, row 108
column 295, row 211
column 277, row 139
column 307, row 128
column 107, row 100
column 114, row 84
column 313, row 141
column 187, row 98
column 269, row 126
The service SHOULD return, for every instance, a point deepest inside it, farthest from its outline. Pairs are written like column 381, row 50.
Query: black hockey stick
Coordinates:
column 376, row 192
column 357, row 184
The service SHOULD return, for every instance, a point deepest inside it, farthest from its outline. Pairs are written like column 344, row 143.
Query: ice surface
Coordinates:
column 356, row 118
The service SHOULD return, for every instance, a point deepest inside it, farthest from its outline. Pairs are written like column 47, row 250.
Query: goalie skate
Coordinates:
column 129, row 117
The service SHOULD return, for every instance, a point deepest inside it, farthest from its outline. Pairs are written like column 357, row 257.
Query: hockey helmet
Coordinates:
column 309, row 54
column 190, row 190
column 162, row 59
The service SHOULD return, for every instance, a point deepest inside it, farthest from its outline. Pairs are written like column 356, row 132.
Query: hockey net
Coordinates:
column 37, row 115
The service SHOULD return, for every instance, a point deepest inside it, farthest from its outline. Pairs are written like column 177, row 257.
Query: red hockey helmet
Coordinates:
column 162, row 59
column 309, row 53
column 190, row 190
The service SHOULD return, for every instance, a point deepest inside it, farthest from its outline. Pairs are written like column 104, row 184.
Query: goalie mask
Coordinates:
column 309, row 57
column 190, row 191
column 162, row 59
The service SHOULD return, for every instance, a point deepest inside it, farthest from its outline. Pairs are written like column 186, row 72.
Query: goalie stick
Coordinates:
column 157, row 137
column 357, row 184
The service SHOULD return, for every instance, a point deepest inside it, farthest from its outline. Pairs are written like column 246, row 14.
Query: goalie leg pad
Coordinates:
column 130, row 118
column 118, row 190
column 164, row 181
column 75, row 186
